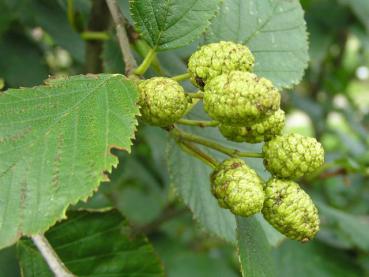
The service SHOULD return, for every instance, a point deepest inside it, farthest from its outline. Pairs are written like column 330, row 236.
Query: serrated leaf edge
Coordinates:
column 205, row 28
column 103, row 177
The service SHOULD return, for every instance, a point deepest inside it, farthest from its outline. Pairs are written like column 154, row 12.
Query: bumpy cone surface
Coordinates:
column 290, row 210
column 237, row 187
column 263, row 131
column 216, row 58
column 292, row 156
column 240, row 98
column 162, row 101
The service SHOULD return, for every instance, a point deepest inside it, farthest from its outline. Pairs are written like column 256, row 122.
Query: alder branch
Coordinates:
column 98, row 24
column 119, row 21
column 51, row 258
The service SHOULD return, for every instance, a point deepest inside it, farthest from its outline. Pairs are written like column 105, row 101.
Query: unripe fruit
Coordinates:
column 162, row 101
column 292, row 156
column 290, row 210
column 240, row 98
column 213, row 59
column 237, row 187
column 262, row 131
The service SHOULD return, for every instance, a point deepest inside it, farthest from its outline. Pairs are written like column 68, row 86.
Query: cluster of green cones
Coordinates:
column 247, row 108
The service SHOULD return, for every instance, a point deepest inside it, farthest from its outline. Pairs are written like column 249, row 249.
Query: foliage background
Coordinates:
column 331, row 103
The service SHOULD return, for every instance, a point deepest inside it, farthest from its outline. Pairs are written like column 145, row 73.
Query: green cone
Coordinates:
column 292, row 156
column 213, row 59
column 237, row 187
column 258, row 132
column 162, row 101
column 290, row 210
column 240, row 98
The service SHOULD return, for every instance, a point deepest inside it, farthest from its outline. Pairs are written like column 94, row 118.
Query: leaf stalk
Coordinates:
column 199, row 123
column 144, row 66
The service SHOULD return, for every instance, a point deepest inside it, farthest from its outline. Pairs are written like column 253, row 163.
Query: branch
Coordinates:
column 98, row 23
column 70, row 14
column 184, row 136
column 338, row 172
column 129, row 60
column 197, row 95
column 181, row 77
column 51, row 258
column 194, row 151
column 198, row 123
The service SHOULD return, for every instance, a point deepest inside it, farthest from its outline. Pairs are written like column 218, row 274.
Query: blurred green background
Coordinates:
column 331, row 103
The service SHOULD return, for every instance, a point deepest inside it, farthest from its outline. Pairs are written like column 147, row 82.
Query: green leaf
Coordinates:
column 112, row 57
column 8, row 262
column 273, row 236
column 360, row 9
column 55, row 143
column 133, row 183
column 6, row 17
column 274, row 30
column 93, row 244
column 253, row 249
column 182, row 261
column 313, row 259
column 52, row 18
column 353, row 229
column 171, row 24
column 191, row 179
column 21, row 61
column 323, row 29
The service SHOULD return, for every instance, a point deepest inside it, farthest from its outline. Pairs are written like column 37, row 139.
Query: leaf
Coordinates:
column 8, row 262
column 191, row 179
column 55, row 143
column 132, row 184
column 313, row 259
column 21, row 61
column 6, row 17
column 93, row 244
column 323, row 29
column 52, row 18
column 360, row 9
column 112, row 57
column 253, row 249
column 274, row 30
column 353, row 229
column 182, row 261
column 172, row 24
column 273, row 236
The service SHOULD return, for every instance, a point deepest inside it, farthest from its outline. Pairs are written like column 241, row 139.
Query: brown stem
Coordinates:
column 99, row 22
column 338, row 172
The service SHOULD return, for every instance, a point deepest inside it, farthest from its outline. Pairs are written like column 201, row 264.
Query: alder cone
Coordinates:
column 237, row 187
column 162, row 101
column 290, row 210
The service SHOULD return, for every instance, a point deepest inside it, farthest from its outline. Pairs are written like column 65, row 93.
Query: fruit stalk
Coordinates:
column 181, row 77
column 142, row 68
column 197, row 153
column 198, row 123
column 181, row 135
